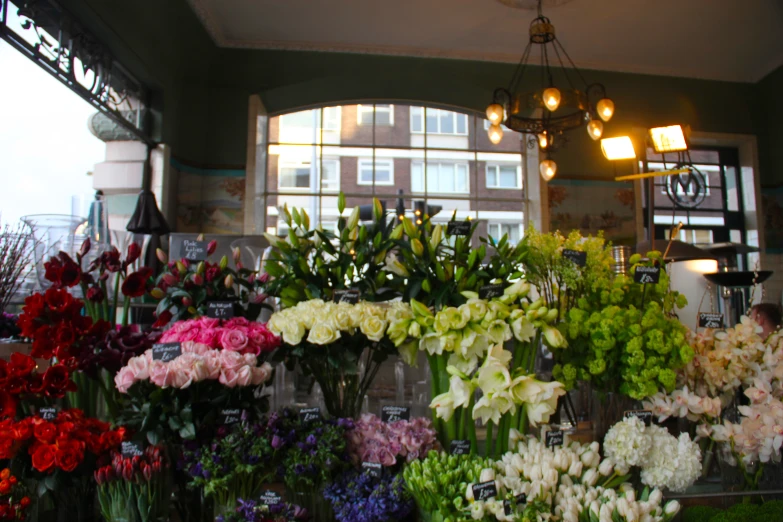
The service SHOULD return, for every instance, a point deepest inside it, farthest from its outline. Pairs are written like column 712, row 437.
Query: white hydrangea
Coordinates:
column 671, row 463
column 626, row 443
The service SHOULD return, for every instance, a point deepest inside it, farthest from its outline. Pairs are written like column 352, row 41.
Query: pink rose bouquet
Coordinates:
column 374, row 441
column 236, row 335
column 198, row 362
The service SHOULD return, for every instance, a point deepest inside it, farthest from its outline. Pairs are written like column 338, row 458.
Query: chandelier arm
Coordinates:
column 565, row 53
column 518, row 73
column 562, row 66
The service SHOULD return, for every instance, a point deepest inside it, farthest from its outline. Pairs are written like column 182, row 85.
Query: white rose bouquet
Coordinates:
column 341, row 345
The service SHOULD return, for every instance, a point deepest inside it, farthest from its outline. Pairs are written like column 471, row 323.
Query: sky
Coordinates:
column 46, row 149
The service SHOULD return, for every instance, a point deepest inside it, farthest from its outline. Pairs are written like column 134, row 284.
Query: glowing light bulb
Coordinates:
column 544, row 140
column 595, row 129
column 605, row 109
column 495, row 133
column 552, row 98
column 548, row 169
column 495, row 113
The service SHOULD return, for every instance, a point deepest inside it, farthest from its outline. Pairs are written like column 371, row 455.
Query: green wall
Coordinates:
column 202, row 91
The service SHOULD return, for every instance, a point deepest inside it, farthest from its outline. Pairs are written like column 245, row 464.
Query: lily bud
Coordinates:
column 229, row 282
column 157, row 293
column 237, row 255
column 223, row 262
column 162, row 256
column 410, row 228
column 377, row 210
column 353, row 220
column 417, row 247
column 211, row 247
column 86, row 245
column 201, row 267
column 553, row 337
column 198, row 279
column 134, row 252
column 437, row 236
column 200, row 237
column 182, row 267
column 419, row 309
column 396, row 233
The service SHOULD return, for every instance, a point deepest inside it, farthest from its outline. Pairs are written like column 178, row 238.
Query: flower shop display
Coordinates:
column 357, row 496
column 236, row 335
column 23, row 386
column 184, row 289
column 16, row 249
column 14, row 502
column 252, row 510
column 390, row 444
column 134, row 488
column 234, row 464
column 341, row 345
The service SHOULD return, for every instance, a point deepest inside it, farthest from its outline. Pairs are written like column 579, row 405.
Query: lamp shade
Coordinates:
column 147, row 218
column 618, row 148
column 668, row 139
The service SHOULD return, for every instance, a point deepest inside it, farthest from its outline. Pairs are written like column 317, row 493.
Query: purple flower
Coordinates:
column 311, row 440
column 277, row 442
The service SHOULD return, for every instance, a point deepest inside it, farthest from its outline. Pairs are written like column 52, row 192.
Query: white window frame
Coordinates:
column 361, row 109
column 439, row 163
column 455, row 114
column 301, row 164
column 500, row 225
column 497, row 167
column 337, row 118
column 373, row 164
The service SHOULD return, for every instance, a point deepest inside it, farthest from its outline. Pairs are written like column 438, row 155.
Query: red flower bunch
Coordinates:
column 62, row 443
column 63, row 271
column 133, row 469
column 19, row 377
column 14, row 503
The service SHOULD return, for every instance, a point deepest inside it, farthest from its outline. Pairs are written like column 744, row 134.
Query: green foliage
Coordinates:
column 699, row 513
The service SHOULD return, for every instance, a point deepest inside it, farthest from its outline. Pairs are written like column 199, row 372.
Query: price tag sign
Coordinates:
column 229, row 416
column 346, row 296
column 194, row 250
column 310, row 414
column 220, row 309
column 519, row 501
column 47, row 413
column 373, row 469
column 577, row 257
column 485, row 490
column 460, row 447
column 395, row 413
column 647, row 275
column 458, row 228
column 644, row 415
column 270, row 498
column 131, row 448
column 491, row 291
column 710, row 320
column 166, row 352
column 554, row 438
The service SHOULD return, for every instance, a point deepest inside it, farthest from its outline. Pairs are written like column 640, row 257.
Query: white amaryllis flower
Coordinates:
column 431, row 343
column 461, row 391
column 466, row 366
column 523, row 328
column 493, row 377
column 492, row 408
column 443, row 405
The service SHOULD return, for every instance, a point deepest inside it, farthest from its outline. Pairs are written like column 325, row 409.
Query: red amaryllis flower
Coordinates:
column 44, row 457
column 135, row 285
column 43, row 345
column 62, row 271
column 164, row 318
column 57, row 381
column 111, row 260
column 95, row 295
column 134, row 251
column 59, row 301
column 21, row 365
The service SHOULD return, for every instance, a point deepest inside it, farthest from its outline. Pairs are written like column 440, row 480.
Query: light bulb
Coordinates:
column 552, row 98
column 495, row 113
column 495, row 133
column 548, row 169
column 605, row 109
column 595, row 129
column 544, row 140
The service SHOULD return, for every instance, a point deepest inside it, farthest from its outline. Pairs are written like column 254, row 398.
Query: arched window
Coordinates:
column 423, row 155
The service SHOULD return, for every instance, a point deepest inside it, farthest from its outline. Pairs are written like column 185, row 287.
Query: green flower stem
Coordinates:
column 522, row 423
column 125, row 311
column 113, row 318
column 472, row 427
column 434, row 392
column 489, row 440
column 443, row 385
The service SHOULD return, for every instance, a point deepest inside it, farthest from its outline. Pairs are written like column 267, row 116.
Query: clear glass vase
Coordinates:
column 53, row 233
column 606, row 410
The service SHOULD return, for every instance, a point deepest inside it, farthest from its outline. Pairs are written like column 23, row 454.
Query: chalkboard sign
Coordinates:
column 194, row 250
column 460, row 447
column 519, row 500
column 395, row 413
column 229, row 416
column 458, row 228
column 554, row 438
column 346, row 296
column 166, row 352
column 644, row 415
column 270, row 498
column 647, row 275
column 507, row 509
column 373, row 469
column 491, row 291
column 131, row 448
column 485, row 490
column 220, row 309
column 710, row 320
column 47, row 413
column 310, row 414
column 575, row 256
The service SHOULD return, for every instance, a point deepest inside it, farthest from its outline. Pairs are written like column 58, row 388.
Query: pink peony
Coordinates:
column 234, row 339
column 228, row 378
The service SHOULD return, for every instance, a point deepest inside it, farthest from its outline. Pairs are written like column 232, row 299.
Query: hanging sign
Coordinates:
column 644, row 415
column 395, row 413
column 647, row 275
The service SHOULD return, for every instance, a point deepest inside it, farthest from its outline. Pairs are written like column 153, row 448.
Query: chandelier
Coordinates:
column 551, row 111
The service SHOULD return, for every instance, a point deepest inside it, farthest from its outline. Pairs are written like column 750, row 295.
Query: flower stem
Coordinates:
column 125, row 311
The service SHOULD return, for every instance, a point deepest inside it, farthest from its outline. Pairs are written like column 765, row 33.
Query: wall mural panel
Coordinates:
column 590, row 206
column 210, row 200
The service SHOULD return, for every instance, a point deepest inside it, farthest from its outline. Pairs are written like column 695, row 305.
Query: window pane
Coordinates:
column 295, row 176
column 446, row 122
column 432, row 120
column 417, row 119
column 492, row 176
column 462, row 123
column 417, row 181
column 461, row 180
column 382, row 116
column 382, row 172
column 330, row 177
column 446, row 178
column 508, row 177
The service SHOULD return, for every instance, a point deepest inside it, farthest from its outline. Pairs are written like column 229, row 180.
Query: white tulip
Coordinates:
column 655, row 497
column 575, row 469
column 587, row 458
column 469, row 493
column 487, row 474
column 590, row 477
column 631, row 495
column 671, row 508
column 606, row 467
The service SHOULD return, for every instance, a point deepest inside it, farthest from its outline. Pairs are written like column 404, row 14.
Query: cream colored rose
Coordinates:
column 292, row 332
column 373, row 327
column 323, row 333
column 343, row 317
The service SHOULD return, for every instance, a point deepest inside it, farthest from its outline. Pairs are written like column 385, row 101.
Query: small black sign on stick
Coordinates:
column 485, row 490
column 645, row 416
column 577, row 257
column 460, row 447
column 395, row 413
column 229, row 416
column 47, row 413
column 710, row 320
column 310, row 414
column 373, row 469
column 220, row 309
column 491, row 291
column 270, row 498
column 194, row 250
column 458, row 228
column 131, row 448
column 647, row 275
column 554, row 438
column 166, row 352
column 346, row 296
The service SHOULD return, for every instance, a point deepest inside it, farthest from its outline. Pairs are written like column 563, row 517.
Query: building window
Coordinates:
column 693, row 236
column 504, row 176
column 296, row 175
column 384, row 172
column 384, row 114
column 332, row 118
column 439, row 121
column 498, row 230
column 305, row 119
column 442, row 178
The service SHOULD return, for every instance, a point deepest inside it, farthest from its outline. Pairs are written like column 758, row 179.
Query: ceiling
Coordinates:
column 729, row 40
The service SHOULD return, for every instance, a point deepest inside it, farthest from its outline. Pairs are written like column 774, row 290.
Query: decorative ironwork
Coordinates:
column 44, row 32
column 687, row 190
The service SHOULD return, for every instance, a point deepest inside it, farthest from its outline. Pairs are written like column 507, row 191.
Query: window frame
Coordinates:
column 500, row 225
column 373, row 108
column 373, row 162
column 424, row 128
column 497, row 167
column 300, row 164
column 440, row 163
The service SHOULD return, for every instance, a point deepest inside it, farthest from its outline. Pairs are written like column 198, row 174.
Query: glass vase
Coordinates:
column 53, row 233
column 607, row 409
column 311, row 499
